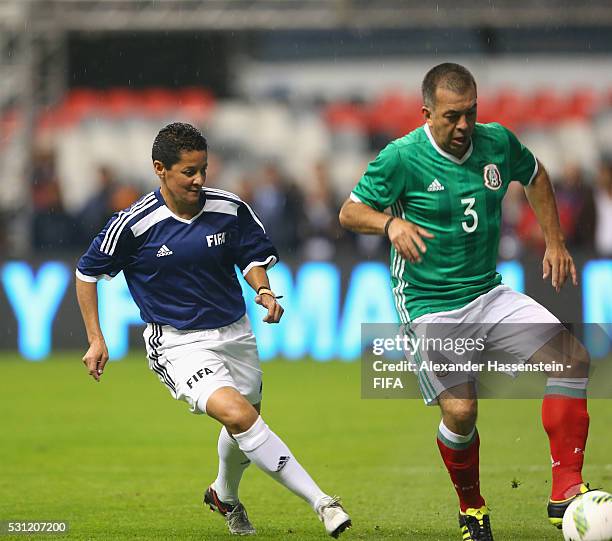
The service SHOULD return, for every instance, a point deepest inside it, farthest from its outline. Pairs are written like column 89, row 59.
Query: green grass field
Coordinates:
column 123, row 460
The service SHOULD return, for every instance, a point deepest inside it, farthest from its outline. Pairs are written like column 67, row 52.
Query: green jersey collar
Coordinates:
column 448, row 156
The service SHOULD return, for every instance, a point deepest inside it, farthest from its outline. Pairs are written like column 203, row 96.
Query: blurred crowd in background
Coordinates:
column 294, row 102
column 294, row 165
column 301, row 214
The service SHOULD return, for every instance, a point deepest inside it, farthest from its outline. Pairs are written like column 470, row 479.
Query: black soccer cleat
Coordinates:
column 475, row 524
column 235, row 515
column 556, row 509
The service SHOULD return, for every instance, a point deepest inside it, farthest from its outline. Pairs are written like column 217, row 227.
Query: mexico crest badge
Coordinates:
column 492, row 178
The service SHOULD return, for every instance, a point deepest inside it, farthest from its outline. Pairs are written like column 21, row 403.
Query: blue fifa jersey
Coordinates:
column 182, row 272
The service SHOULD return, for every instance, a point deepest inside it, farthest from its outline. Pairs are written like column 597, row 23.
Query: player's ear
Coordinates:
column 160, row 169
column 426, row 112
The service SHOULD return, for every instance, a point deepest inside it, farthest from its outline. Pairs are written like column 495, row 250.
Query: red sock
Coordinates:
column 566, row 422
column 463, row 467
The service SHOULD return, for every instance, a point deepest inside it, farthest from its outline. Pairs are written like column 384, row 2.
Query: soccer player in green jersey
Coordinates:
column 444, row 183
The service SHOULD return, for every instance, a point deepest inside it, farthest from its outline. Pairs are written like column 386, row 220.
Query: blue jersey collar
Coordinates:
column 160, row 198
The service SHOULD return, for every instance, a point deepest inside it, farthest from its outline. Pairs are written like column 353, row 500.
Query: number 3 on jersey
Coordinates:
column 470, row 213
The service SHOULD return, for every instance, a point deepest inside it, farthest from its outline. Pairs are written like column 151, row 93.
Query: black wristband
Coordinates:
column 262, row 287
column 391, row 218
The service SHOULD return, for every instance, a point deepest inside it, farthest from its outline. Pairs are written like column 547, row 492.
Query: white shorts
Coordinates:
column 194, row 364
column 509, row 325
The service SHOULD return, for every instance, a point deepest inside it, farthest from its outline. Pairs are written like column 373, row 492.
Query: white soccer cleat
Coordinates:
column 235, row 515
column 333, row 516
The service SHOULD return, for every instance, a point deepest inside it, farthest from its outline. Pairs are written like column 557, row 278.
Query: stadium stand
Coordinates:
column 90, row 127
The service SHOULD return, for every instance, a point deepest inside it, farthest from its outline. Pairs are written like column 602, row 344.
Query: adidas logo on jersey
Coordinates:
column 164, row 251
column 435, row 186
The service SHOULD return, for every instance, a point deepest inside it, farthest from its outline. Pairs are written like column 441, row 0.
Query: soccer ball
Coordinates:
column 589, row 518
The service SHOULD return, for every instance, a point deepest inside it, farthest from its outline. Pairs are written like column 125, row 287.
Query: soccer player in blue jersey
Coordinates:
column 177, row 247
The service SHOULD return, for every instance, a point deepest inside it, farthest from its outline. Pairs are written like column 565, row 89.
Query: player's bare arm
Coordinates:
column 257, row 278
column 404, row 235
column 97, row 355
column 557, row 262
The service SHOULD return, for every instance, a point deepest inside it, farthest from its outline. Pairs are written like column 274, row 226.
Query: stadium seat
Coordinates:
column 346, row 169
column 582, row 104
column 231, row 126
column 510, row 109
column 311, row 142
column 545, row 107
column 275, row 130
column 394, row 114
column 79, row 103
column 347, row 122
column 75, row 167
column 193, row 96
column 602, row 127
column 487, row 111
column 578, row 144
column 195, row 102
column 120, row 102
column 90, row 125
column 157, row 102
column 546, row 148
column 137, row 135
column 342, row 115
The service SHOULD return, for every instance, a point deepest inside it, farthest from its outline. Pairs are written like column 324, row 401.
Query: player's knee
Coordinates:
column 576, row 362
column 239, row 416
column 581, row 359
column 461, row 415
column 231, row 409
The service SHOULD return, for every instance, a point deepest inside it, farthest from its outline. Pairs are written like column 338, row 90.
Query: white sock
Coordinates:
column 232, row 463
column 572, row 387
column 456, row 438
column 270, row 454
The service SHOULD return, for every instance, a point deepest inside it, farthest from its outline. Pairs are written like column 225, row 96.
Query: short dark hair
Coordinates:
column 453, row 76
column 174, row 139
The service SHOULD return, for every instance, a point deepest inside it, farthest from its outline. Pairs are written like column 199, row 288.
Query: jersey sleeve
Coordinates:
column 253, row 247
column 108, row 253
column 523, row 164
column 382, row 183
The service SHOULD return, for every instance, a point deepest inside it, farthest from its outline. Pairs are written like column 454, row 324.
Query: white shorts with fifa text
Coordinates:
column 193, row 364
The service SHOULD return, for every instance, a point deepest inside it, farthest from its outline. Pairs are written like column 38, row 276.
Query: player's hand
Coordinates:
column 96, row 358
column 408, row 239
column 558, row 264
column 275, row 310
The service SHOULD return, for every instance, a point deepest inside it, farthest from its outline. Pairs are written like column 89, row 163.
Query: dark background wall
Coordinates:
column 145, row 59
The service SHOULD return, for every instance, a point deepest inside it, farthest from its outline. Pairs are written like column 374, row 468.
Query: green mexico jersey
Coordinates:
column 458, row 201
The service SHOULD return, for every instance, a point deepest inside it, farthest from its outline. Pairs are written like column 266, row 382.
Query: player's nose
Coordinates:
column 462, row 124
